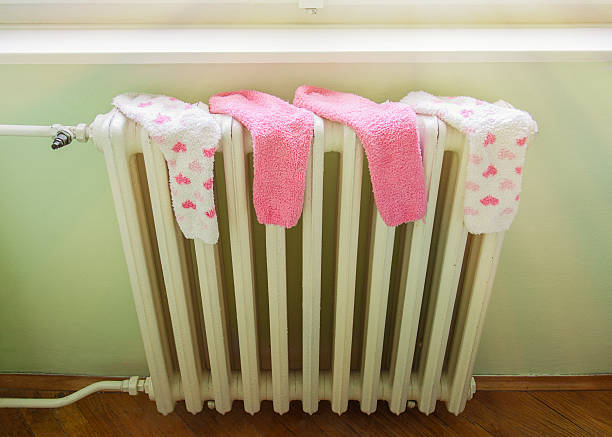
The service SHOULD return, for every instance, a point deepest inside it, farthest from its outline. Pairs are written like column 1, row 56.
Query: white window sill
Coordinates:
column 29, row 45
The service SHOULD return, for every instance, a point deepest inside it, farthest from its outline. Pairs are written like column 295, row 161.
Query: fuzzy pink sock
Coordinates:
column 389, row 135
column 281, row 135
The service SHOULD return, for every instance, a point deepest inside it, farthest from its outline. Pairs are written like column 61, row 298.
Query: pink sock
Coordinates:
column 389, row 135
column 281, row 135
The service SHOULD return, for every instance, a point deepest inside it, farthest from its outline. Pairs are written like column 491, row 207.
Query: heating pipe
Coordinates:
column 133, row 386
column 62, row 135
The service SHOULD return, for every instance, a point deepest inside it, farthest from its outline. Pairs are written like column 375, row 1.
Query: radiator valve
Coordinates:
column 136, row 385
column 63, row 137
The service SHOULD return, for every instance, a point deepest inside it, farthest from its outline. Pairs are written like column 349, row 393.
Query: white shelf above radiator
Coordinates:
column 28, row 45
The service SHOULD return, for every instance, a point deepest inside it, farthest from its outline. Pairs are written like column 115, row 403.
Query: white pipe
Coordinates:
column 79, row 132
column 131, row 386
column 28, row 131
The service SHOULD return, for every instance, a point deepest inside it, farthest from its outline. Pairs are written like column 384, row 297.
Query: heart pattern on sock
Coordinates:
column 490, row 171
column 179, row 147
column 489, row 200
column 497, row 136
column 490, row 139
column 182, row 180
column 188, row 204
column 188, row 136
column 209, row 153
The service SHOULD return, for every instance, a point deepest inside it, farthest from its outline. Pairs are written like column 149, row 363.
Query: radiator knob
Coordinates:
column 62, row 138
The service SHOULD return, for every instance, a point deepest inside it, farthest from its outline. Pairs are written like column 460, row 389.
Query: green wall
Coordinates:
column 65, row 300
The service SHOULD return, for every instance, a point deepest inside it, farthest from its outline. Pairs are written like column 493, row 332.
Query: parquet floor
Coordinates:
column 490, row 413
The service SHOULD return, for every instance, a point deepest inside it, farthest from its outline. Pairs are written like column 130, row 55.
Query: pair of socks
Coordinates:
column 282, row 134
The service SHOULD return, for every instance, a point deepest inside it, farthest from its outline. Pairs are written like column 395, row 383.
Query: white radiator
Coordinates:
column 421, row 308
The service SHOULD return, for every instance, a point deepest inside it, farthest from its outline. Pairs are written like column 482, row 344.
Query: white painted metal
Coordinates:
column 114, row 136
column 379, row 274
column 348, row 232
column 133, row 386
column 172, row 253
column 478, row 284
column 432, row 134
column 447, row 269
column 277, row 300
column 296, row 388
column 213, row 308
column 121, row 140
column 312, row 234
column 29, row 131
column 80, row 132
column 242, row 261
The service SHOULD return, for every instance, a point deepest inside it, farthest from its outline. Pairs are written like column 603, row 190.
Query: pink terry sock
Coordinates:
column 281, row 135
column 389, row 135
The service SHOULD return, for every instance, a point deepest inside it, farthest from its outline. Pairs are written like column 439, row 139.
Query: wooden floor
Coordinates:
column 490, row 413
